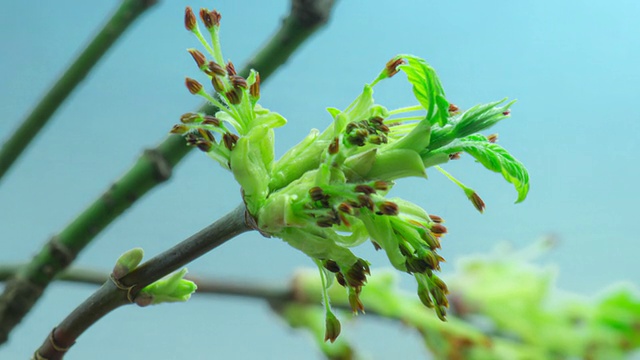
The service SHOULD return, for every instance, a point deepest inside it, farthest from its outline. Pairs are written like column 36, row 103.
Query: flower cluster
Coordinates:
column 327, row 194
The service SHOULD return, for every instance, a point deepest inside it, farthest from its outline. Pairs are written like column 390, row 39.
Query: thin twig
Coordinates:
column 112, row 295
column 126, row 14
column 152, row 168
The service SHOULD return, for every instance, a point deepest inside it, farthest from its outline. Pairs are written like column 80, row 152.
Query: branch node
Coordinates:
column 55, row 345
column 161, row 164
column 123, row 287
column 61, row 252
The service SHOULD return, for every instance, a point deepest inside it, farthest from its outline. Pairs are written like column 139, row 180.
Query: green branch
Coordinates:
column 152, row 168
column 113, row 295
column 125, row 15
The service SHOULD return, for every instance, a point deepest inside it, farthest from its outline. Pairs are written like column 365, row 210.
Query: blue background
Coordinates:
column 572, row 65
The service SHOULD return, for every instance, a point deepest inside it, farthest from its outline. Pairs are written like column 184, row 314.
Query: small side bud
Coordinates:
column 332, row 327
column 127, row 262
column 213, row 68
column 171, row 288
column 234, row 96
column 453, row 109
column 365, row 189
column 493, row 138
column 438, row 229
column 193, row 85
column 436, row 219
column 189, row 118
column 190, row 21
column 198, row 57
column 210, row 120
column 331, row 266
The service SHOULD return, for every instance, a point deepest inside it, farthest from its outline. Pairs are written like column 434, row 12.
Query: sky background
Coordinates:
column 572, row 65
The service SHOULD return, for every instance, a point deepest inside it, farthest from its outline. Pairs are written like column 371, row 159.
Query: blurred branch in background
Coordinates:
column 152, row 168
column 504, row 307
column 126, row 14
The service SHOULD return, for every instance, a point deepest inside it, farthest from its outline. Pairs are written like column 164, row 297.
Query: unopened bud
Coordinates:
column 477, row 202
column 238, row 81
column 218, row 85
column 388, row 208
column 204, row 145
column 334, row 146
column 493, row 138
column 317, row 194
column 206, row 134
column 207, row 18
column 193, row 86
column 210, row 120
column 355, row 302
column 438, row 229
column 436, row 219
column 190, row 21
column 189, row 118
column 392, row 66
column 254, row 89
column 345, row 208
column 127, row 262
column 454, row 156
column 453, row 108
column 231, row 70
column 234, row 96
column 381, row 185
column 331, row 266
column 213, row 68
column 198, row 57
column 230, row 140
column 179, row 129
column 332, row 327
column 365, row 189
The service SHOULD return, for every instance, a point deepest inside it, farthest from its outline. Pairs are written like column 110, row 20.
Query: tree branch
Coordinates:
column 125, row 15
column 110, row 296
column 152, row 168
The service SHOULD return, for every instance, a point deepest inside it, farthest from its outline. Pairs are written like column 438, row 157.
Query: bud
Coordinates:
column 345, row 208
column 365, row 189
column 204, row 145
column 493, row 138
column 317, row 194
column 424, row 296
column 189, row 118
column 392, row 66
column 440, row 284
column 254, row 90
column 381, row 185
column 230, row 140
column 331, row 266
column 171, row 288
column 206, row 134
column 334, row 147
column 332, row 327
column 340, row 279
column 234, row 96
column 127, row 262
column 388, row 208
column 193, row 86
column 198, row 57
column 210, row 120
column 190, row 21
column 436, row 219
column 238, row 81
column 218, row 85
column 453, row 108
column 213, row 68
column 179, row 129
column 438, row 229
column 476, row 201
column 454, row 156
column 231, row 70
column 355, row 302
column 209, row 18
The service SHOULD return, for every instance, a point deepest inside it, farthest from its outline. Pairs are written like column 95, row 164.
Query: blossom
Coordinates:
column 328, row 193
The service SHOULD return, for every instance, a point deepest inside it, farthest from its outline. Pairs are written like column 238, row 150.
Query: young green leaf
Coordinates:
column 426, row 88
column 495, row 158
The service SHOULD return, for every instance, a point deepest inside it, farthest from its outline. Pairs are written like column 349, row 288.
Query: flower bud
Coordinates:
column 355, row 302
column 190, row 21
column 332, row 327
column 392, row 66
column 213, row 68
column 189, row 118
column 229, row 140
column 210, row 120
column 231, row 70
column 179, row 129
column 193, row 86
column 198, row 57
column 254, row 89
column 218, row 85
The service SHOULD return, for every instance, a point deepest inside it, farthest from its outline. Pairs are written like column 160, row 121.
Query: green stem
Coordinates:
column 120, row 21
column 152, row 168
